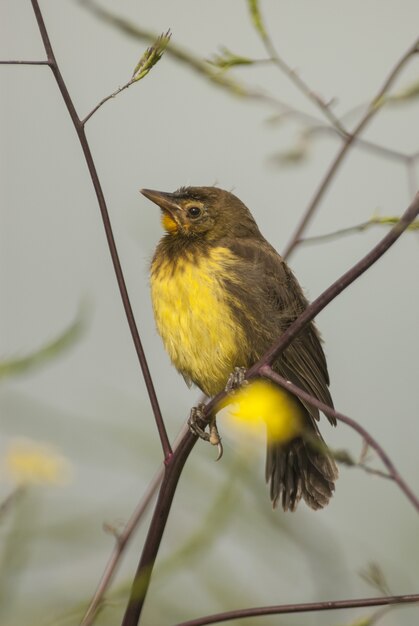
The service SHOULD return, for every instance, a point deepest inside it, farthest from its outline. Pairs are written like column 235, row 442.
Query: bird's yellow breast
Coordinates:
column 194, row 317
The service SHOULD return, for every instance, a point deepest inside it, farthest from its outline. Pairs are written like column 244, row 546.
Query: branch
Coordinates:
column 267, row 372
column 79, row 126
column 373, row 108
column 358, row 228
column 142, row 577
column 282, row 609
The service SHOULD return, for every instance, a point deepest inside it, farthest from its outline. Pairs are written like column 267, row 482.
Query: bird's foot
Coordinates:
column 236, row 380
column 197, row 424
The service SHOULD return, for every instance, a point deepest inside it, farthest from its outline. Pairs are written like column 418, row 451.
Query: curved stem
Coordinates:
column 267, row 372
column 282, row 609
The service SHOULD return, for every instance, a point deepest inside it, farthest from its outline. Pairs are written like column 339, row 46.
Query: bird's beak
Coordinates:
column 164, row 200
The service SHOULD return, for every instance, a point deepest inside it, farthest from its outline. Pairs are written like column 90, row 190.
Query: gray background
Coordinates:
column 173, row 129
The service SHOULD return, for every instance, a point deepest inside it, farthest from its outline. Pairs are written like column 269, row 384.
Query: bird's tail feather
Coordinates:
column 299, row 469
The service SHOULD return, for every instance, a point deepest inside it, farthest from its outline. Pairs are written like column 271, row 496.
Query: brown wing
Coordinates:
column 268, row 299
column 272, row 300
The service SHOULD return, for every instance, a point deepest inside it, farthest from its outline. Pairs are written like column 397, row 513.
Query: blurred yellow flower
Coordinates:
column 28, row 462
column 261, row 406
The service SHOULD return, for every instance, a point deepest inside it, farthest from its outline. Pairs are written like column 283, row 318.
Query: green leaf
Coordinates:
column 256, row 16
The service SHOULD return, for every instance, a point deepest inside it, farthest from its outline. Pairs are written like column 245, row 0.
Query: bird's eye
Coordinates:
column 194, row 211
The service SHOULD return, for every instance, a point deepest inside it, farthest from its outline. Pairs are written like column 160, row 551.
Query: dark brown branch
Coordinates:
column 371, row 111
column 79, row 126
column 267, row 372
column 141, row 582
column 282, row 609
column 24, row 62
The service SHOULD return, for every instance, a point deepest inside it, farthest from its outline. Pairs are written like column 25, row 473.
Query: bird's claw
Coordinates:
column 215, row 439
column 196, row 418
column 236, row 380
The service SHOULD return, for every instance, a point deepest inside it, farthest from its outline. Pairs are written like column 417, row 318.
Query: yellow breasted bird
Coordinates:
column 221, row 296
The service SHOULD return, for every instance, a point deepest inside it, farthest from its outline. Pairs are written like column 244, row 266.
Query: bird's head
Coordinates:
column 203, row 212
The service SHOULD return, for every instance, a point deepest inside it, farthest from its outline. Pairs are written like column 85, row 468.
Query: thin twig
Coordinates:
column 373, row 471
column 300, row 83
column 80, row 130
column 282, row 609
column 333, row 168
column 106, row 98
column 147, row 61
column 368, row 145
column 335, row 234
column 373, row 221
column 268, row 372
column 15, row 62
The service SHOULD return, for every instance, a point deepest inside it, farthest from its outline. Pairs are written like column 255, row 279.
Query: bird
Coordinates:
column 221, row 296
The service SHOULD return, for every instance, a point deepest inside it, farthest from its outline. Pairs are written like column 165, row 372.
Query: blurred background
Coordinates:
column 76, row 419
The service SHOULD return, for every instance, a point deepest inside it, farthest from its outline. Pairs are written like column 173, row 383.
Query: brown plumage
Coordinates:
column 214, row 251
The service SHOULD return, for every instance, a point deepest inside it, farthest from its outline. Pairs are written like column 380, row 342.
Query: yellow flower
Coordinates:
column 261, row 406
column 27, row 462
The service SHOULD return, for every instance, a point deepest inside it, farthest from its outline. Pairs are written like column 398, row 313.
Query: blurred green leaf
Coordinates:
column 392, row 220
column 257, row 17
column 374, row 576
column 411, row 92
column 343, row 456
column 20, row 365
column 226, row 59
